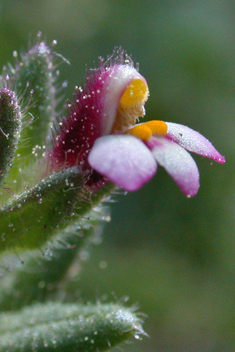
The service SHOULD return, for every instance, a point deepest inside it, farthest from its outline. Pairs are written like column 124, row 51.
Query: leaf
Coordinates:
column 32, row 218
column 67, row 327
column 42, row 274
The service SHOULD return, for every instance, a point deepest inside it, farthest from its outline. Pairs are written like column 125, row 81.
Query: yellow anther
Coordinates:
column 145, row 130
column 140, row 131
column 157, row 127
column 137, row 92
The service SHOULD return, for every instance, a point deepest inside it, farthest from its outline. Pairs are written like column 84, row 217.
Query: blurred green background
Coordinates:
column 174, row 256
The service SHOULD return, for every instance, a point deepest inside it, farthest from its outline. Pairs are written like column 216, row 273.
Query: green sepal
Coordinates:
column 34, row 79
column 67, row 327
column 42, row 274
column 10, row 128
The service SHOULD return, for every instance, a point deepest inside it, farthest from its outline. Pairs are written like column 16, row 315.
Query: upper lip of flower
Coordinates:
column 101, row 132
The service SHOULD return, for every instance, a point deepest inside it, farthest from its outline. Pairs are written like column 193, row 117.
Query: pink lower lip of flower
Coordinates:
column 127, row 163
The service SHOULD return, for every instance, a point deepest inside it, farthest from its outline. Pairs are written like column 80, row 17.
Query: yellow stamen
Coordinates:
column 140, row 131
column 137, row 92
column 147, row 129
column 131, row 105
column 157, row 127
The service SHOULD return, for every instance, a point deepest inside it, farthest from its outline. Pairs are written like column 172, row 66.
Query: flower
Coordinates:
column 101, row 135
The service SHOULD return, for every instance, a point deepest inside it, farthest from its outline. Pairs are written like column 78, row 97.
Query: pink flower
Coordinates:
column 101, row 135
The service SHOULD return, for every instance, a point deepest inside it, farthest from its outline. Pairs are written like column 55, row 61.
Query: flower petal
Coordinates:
column 193, row 141
column 116, row 80
column 124, row 160
column 178, row 163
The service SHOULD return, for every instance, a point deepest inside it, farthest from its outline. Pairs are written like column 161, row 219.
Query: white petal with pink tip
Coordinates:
column 178, row 163
column 124, row 160
column 193, row 141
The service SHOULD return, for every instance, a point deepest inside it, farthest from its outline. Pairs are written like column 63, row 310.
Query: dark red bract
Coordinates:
column 75, row 134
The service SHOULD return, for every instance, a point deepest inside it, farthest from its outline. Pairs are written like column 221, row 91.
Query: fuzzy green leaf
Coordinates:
column 42, row 274
column 32, row 218
column 67, row 327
